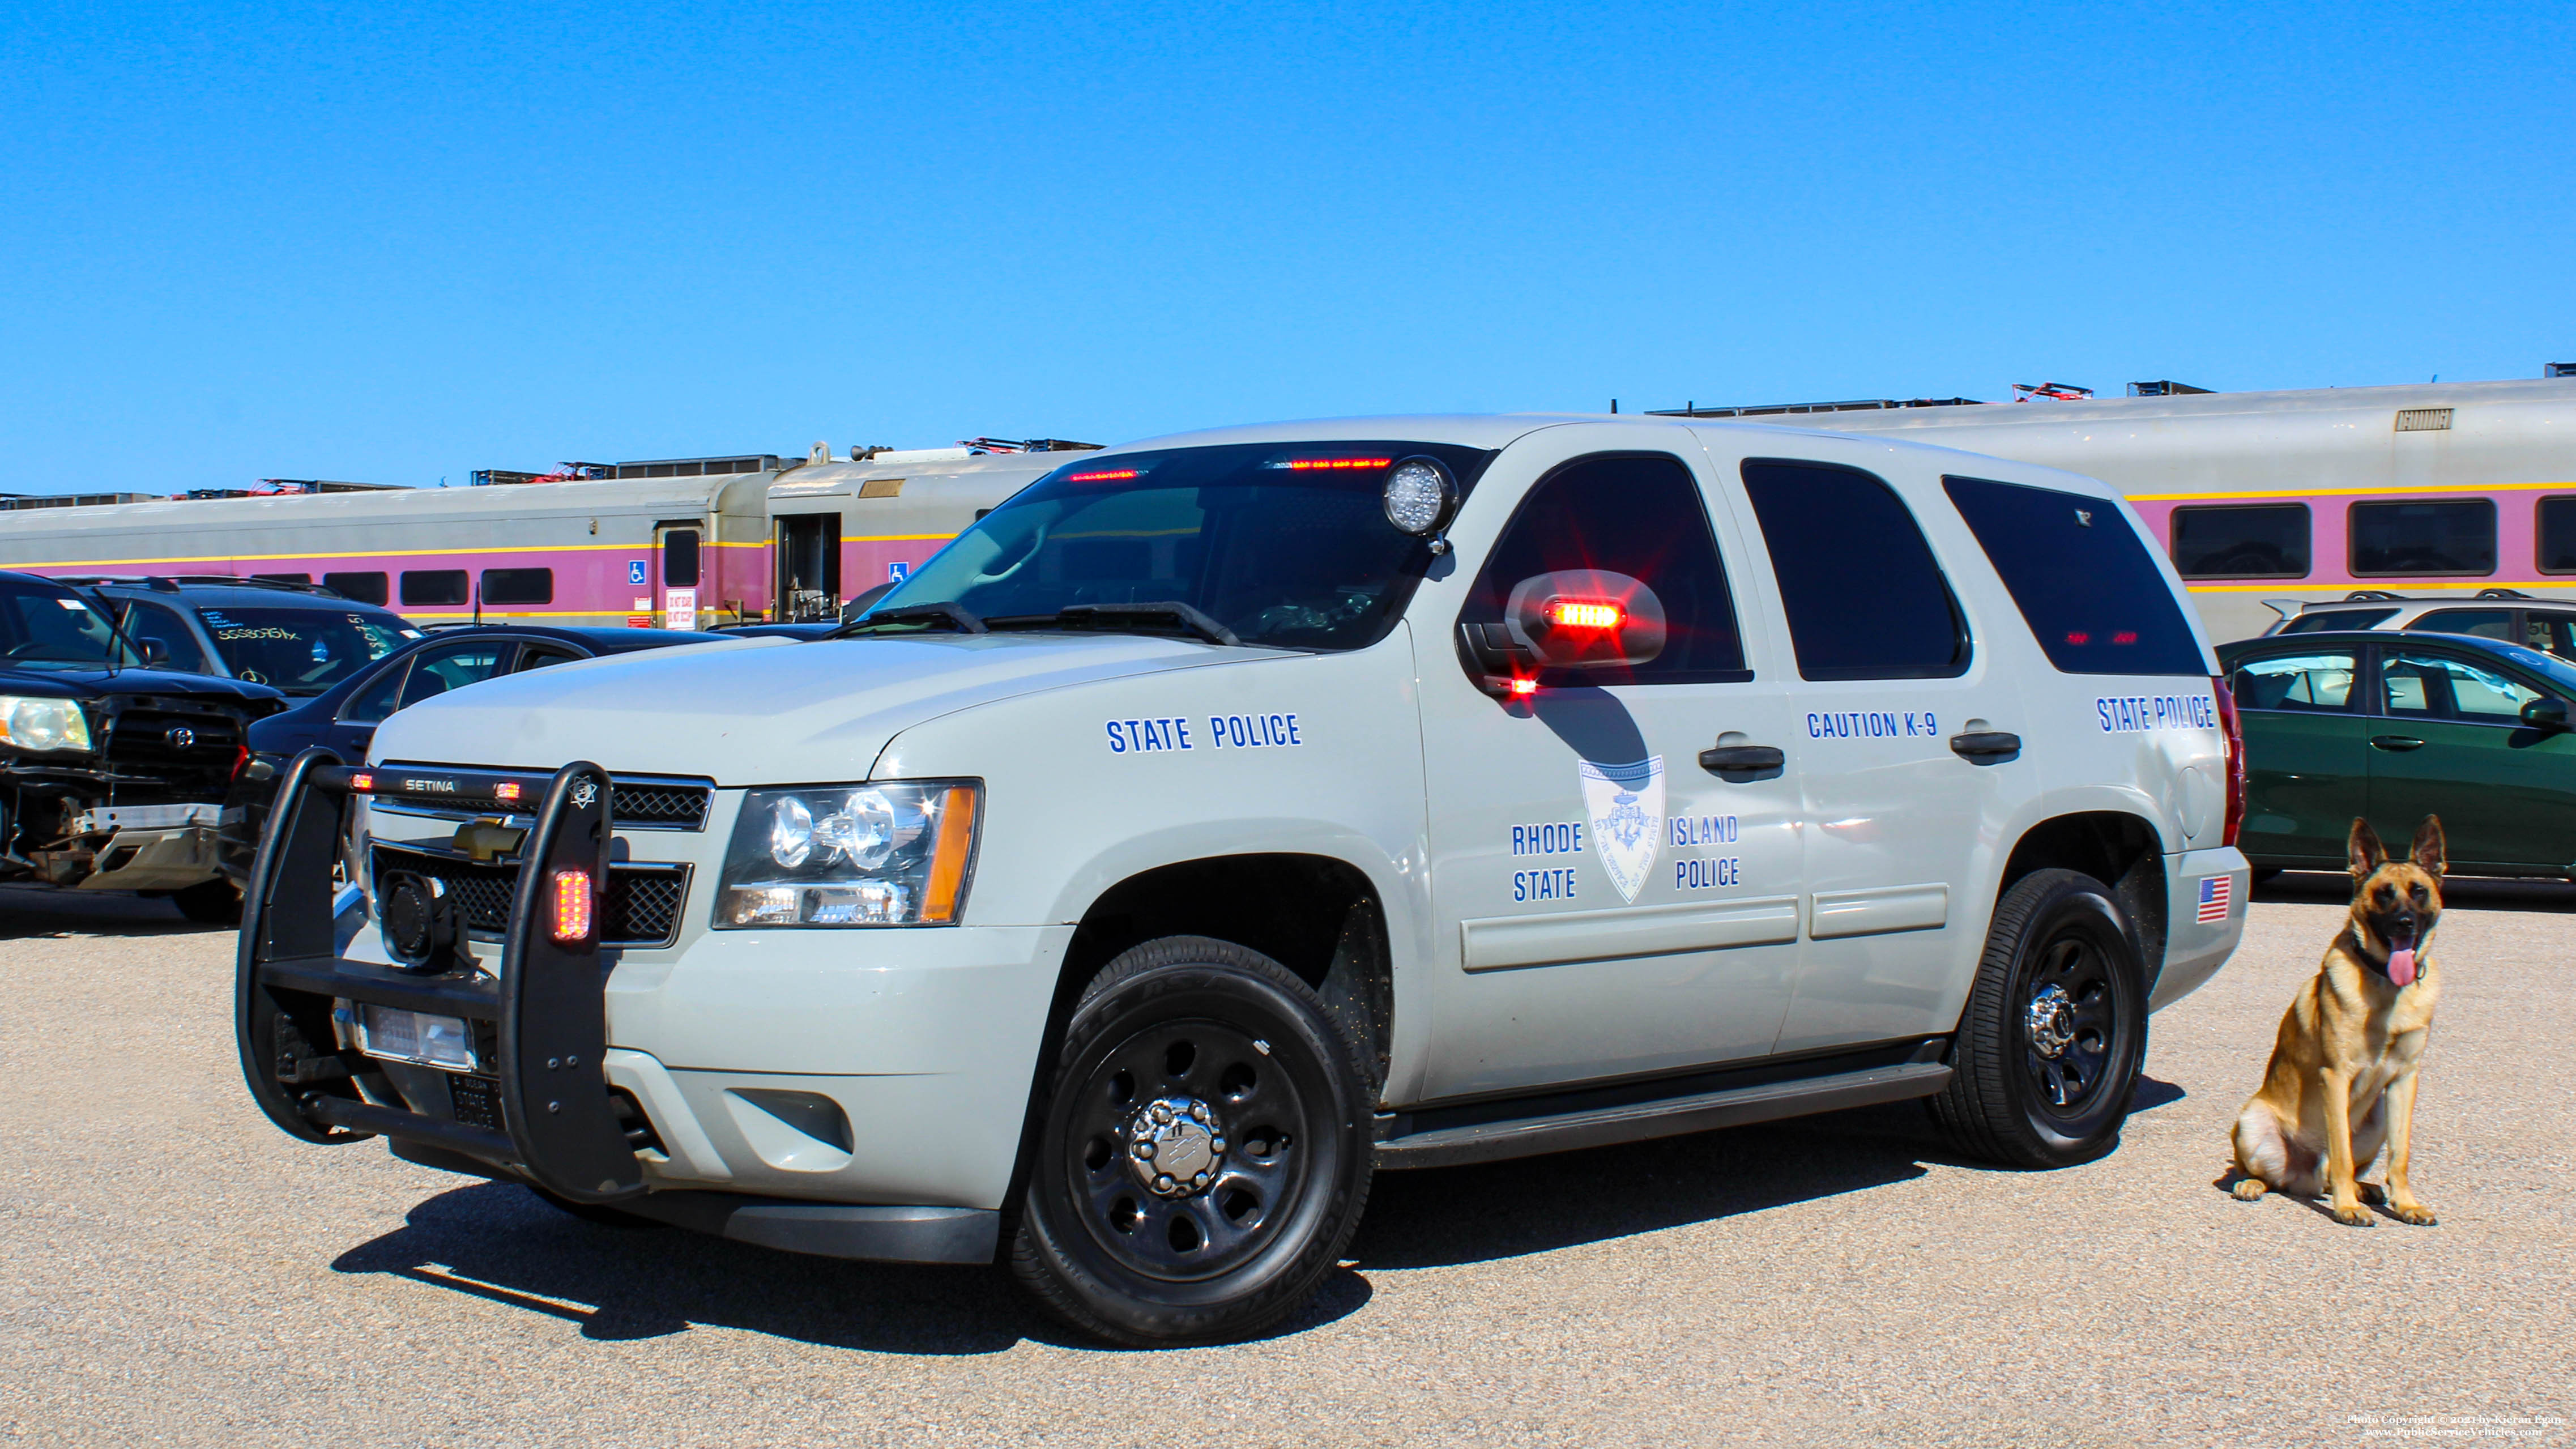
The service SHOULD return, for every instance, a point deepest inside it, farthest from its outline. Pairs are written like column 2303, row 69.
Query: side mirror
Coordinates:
column 156, row 651
column 1569, row 619
column 2546, row 713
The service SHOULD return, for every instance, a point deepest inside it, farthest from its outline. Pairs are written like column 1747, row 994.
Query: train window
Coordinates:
column 2558, row 535
column 284, row 578
column 2084, row 581
column 2256, row 541
column 2448, row 537
column 1827, row 527
column 518, row 586
column 680, row 558
column 433, row 586
column 367, row 588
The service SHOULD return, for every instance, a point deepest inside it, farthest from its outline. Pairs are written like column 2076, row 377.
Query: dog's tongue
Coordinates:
column 2401, row 965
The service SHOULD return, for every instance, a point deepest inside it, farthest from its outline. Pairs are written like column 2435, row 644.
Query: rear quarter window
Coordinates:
column 2082, row 578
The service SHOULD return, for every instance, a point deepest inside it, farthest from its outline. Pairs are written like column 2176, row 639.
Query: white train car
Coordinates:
column 843, row 528
column 2445, row 489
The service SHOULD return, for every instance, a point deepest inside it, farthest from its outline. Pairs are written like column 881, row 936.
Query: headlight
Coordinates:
column 895, row 854
column 33, row 723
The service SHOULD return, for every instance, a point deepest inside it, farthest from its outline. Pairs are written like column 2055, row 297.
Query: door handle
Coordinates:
column 1732, row 759
column 1982, row 746
column 2396, row 742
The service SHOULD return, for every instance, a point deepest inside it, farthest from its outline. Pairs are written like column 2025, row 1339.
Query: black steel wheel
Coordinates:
column 2055, row 1029
column 1202, row 1154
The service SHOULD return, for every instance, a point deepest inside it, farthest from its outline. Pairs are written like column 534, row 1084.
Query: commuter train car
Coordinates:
column 2444, row 489
column 844, row 528
column 674, row 543
column 682, row 550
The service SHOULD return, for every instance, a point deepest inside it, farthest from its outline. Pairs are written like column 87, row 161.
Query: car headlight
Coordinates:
column 893, row 854
column 34, row 723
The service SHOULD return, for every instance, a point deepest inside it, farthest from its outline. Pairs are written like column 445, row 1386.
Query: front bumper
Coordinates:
column 150, row 847
column 549, row 1112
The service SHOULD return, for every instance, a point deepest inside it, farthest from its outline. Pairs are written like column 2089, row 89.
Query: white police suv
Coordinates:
column 1228, row 817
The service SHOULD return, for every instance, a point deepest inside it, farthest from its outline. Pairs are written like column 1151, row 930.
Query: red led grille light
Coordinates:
column 506, row 790
column 362, row 783
column 1521, row 687
column 572, row 906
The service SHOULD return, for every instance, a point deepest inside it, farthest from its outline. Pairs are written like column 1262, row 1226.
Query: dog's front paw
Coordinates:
column 2412, row 1212
column 2354, row 1215
column 2248, row 1189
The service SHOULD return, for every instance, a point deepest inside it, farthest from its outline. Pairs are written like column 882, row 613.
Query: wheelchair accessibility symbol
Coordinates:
column 635, row 572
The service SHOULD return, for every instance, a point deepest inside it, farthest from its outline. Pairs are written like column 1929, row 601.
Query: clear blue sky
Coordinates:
column 394, row 242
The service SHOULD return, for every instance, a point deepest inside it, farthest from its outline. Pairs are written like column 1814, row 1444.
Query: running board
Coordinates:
column 1667, row 1117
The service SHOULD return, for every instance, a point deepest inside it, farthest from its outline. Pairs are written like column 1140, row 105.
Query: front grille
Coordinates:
column 642, row 908
column 144, row 745
column 638, row 802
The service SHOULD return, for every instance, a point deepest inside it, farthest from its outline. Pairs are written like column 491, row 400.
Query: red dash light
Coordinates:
column 1304, row 465
column 361, row 784
column 1104, row 475
column 506, row 790
column 572, row 906
column 1523, row 688
column 2125, row 636
column 1585, row 614
column 2079, row 638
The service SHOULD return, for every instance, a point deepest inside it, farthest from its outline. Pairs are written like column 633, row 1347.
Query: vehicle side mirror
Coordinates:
column 2546, row 713
column 1585, row 619
column 156, row 651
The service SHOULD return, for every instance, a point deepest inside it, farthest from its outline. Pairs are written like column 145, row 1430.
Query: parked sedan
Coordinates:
column 2396, row 727
column 343, row 718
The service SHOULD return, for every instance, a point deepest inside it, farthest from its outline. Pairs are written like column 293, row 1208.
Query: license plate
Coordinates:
column 398, row 1035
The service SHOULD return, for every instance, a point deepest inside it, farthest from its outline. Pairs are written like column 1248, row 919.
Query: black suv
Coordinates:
column 299, row 638
column 112, row 768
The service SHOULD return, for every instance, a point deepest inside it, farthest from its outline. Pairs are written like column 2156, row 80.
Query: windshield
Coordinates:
column 1286, row 545
column 48, row 627
column 303, row 651
column 2560, row 674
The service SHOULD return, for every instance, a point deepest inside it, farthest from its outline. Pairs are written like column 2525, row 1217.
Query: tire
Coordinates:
column 2012, row 1099
column 1277, row 1170
column 215, row 902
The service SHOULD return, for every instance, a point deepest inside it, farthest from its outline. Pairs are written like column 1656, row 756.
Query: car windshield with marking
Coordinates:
column 302, row 651
column 1283, row 545
column 48, row 627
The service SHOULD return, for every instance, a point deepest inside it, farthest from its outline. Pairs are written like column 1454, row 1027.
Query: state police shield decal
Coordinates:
column 1625, row 804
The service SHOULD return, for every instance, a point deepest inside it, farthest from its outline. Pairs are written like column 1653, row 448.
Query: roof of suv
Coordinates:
column 235, row 593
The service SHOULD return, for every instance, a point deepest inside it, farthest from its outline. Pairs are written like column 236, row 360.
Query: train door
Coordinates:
column 679, row 543
column 809, row 567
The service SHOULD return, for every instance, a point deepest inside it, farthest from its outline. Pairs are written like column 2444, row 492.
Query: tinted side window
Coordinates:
column 2424, row 538
column 366, row 588
column 2441, row 687
column 1637, row 515
column 2081, row 577
column 2551, row 633
column 2485, row 623
column 1865, row 597
column 518, row 586
column 2305, row 682
column 2260, row 541
column 150, row 621
column 436, row 671
column 379, row 697
column 433, row 586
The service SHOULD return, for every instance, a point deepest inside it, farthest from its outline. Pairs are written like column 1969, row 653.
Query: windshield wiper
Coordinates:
column 1124, row 618
column 954, row 616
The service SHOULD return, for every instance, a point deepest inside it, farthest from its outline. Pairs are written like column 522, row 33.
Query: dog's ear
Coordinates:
column 2429, row 851
column 2364, row 847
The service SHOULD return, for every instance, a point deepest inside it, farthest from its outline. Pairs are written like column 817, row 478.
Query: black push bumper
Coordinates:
column 545, row 1011
column 545, row 1016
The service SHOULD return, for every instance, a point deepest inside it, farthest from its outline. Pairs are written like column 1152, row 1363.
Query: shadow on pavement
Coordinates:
column 28, row 911
column 2459, row 892
column 498, row 1242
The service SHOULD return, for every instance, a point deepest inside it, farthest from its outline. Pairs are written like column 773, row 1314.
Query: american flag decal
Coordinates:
column 2215, row 894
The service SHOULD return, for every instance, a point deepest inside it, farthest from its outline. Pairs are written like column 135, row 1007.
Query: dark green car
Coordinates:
column 2400, row 726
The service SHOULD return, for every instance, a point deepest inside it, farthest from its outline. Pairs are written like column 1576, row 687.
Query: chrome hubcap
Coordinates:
column 2052, row 1021
column 1175, row 1146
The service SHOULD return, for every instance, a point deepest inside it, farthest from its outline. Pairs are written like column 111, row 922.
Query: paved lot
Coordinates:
column 172, row 1270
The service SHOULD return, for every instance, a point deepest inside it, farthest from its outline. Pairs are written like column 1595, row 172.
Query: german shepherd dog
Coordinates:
column 2342, row 1077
